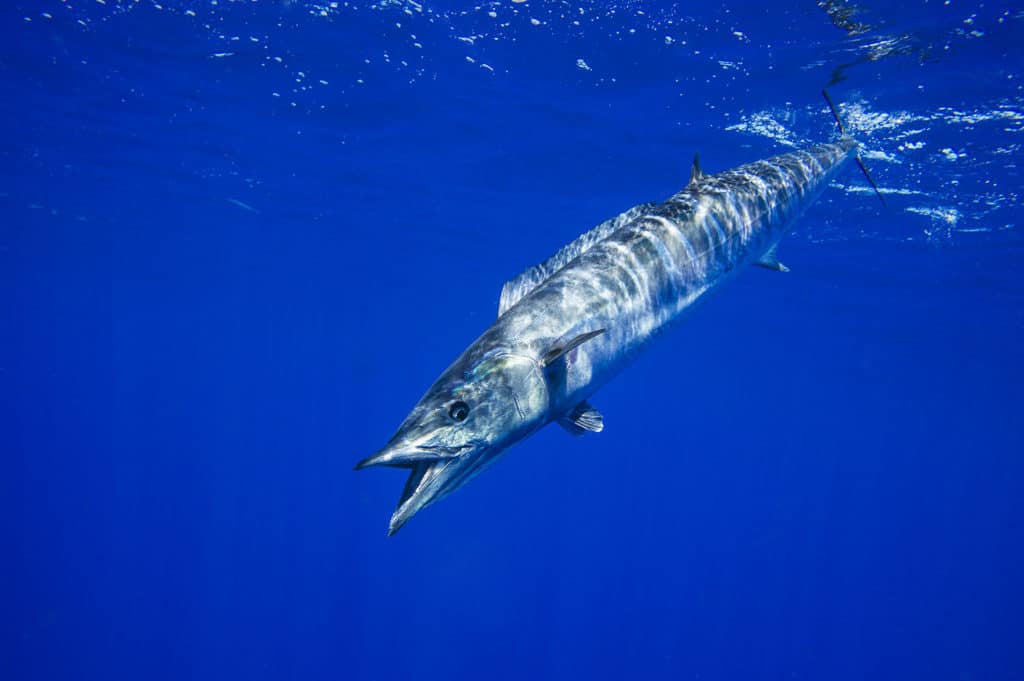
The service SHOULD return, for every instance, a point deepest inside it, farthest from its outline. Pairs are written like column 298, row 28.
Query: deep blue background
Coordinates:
column 216, row 300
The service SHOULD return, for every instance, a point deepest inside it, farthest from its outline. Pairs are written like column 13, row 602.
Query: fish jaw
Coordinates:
column 431, row 481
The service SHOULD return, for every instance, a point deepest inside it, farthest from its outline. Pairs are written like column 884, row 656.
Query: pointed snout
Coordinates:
column 431, row 472
column 378, row 458
column 436, row 468
column 428, row 482
column 401, row 455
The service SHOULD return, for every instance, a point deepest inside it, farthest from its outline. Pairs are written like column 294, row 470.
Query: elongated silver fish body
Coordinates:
column 568, row 325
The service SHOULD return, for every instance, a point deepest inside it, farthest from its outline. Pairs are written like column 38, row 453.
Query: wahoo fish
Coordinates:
column 568, row 325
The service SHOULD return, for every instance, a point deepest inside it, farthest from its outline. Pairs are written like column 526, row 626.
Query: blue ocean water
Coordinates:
column 240, row 239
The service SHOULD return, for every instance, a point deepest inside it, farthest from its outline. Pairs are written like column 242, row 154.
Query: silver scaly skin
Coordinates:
column 568, row 325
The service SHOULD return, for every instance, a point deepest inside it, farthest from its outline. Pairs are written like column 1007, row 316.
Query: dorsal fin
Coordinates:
column 516, row 289
column 696, row 174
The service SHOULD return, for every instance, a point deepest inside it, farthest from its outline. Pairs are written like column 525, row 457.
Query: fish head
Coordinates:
column 481, row 405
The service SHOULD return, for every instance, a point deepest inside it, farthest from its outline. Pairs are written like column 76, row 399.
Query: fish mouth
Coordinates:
column 431, row 481
column 435, row 471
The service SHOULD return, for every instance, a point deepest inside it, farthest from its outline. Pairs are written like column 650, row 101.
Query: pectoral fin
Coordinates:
column 564, row 345
column 582, row 418
column 770, row 261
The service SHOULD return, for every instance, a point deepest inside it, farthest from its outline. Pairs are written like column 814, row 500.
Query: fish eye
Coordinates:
column 458, row 411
